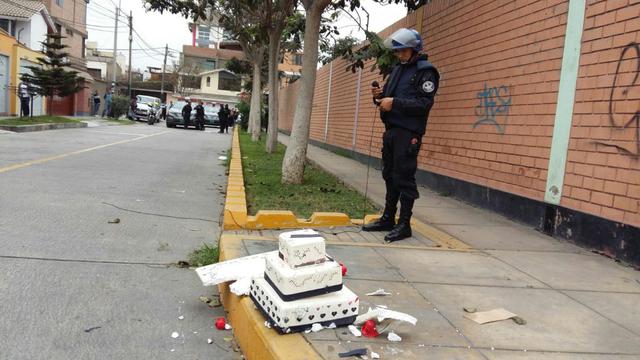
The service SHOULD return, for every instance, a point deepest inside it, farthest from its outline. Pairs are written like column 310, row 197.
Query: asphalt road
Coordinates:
column 74, row 286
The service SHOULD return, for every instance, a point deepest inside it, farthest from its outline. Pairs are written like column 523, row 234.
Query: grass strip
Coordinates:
column 37, row 120
column 205, row 255
column 320, row 191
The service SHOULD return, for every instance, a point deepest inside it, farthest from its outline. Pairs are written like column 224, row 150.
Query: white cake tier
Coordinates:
column 302, row 247
column 339, row 307
column 292, row 284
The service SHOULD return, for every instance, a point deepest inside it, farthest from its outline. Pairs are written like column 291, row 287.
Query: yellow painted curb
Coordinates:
column 236, row 215
column 432, row 233
column 257, row 341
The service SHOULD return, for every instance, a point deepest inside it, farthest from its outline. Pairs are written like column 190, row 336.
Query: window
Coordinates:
column 203, row 33
column 60, row 3
column 208, row 81
column 5, row 25
column 297, row 59
column 228, row 82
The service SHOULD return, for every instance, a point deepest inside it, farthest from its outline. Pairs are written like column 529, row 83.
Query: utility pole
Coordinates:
column 164, row 67
column 115, row 45
column 130, row 41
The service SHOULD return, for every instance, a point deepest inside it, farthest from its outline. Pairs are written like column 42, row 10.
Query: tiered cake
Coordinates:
column 303, row 286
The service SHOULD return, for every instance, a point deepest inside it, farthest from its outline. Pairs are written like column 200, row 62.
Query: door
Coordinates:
column 37, row 99
column 4, row 85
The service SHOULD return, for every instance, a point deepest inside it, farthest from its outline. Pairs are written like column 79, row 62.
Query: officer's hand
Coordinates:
column 376, row 91
column 386, row 104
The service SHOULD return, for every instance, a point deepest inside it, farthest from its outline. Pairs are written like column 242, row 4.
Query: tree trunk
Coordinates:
column 295, row 156
column 274, row 86
column 256, row 99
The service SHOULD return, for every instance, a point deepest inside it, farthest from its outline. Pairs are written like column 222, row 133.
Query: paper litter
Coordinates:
column 382, row 314
column 394, row 337
column 209, row 341
column 379, row 292
column 175, row 334
column 375, row 355
column 354, row 331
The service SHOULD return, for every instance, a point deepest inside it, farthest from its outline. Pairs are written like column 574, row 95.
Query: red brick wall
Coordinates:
column 603, row 168
column 495, row 110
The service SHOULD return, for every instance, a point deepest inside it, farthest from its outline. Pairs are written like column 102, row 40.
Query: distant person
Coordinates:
column 200, row 116
column 96, row 103
column 163, row 111
column 229, row 118
column 108, row 99
column 223, row 116
column 186, row 112
column 23, row 94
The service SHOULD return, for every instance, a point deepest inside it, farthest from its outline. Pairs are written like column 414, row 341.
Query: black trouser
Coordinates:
column 200, row 123
column 186, row 121
column 24, row 105
column 223, row 125
column 400, row 149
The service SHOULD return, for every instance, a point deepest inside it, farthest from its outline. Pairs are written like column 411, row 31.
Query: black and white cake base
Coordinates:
column 340, row 308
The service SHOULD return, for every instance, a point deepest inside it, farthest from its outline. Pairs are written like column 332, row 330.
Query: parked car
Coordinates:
column 174, row 115
column 211, row 115
column 145, row 106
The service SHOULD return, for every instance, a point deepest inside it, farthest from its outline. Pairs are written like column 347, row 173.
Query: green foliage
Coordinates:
column 37, row 120
column 385, row 60
column 243, row 108
column 320, row 190
column 119, row 106
column 52, row 79
column 206, row 255
column 340, row 48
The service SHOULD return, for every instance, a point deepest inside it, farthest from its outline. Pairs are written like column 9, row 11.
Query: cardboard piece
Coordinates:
column 231, row 270
column 484, row 317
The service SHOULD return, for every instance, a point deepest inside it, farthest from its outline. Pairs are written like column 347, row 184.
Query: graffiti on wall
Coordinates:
column 493, row 108
column 624, row 101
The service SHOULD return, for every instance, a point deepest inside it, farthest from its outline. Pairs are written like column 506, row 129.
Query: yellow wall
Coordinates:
column 6, row 48
column 22, row 53
column 213, row 87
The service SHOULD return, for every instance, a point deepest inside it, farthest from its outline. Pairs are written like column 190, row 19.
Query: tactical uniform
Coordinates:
column 199, row 117
column 413, row 86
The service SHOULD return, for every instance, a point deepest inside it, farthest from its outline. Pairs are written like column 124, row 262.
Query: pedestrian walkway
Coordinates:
column 577, row 304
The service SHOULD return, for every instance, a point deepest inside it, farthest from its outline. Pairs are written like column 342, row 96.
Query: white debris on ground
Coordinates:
column 381, row 314
column 241, row 287
column 209, row 341
column 354, row 330
column 379, row 292
column 227, row 327
column 316, row 327
column 394, row 337
column 175, row 334
column 223, row 158
column 375, row 355
column 332, row 326
column 181, row 317
column 267, row 325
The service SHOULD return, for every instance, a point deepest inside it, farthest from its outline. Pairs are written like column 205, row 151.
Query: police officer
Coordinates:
column 186, row 112
column 404, row 105
column 199, row 116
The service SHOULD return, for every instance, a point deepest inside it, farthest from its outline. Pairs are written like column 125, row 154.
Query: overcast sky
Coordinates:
column 154, row 30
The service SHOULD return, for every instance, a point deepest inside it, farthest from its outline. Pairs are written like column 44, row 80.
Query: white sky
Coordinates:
column 159, row 29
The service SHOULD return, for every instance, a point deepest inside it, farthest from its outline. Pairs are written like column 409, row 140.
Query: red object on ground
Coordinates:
column 369, row 329
column 344, row 269
column 220, row 323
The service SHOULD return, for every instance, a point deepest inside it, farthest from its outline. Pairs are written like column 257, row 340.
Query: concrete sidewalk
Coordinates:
column 578, row 305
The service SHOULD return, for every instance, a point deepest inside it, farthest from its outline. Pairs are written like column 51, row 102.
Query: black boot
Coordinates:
column 403, row 229
column 385, row 223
